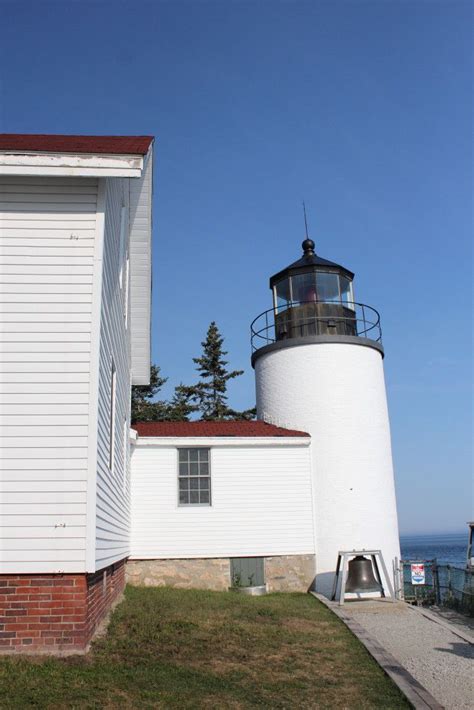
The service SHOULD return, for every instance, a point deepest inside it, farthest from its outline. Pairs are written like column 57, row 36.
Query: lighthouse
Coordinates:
column 318, row 360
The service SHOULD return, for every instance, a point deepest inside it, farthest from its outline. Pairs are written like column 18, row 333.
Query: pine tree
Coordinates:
column 210, row 393
column 208, row 396
column 181, row 405
column 144, row 409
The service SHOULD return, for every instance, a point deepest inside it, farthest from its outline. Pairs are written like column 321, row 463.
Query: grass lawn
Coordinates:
column 168, row 648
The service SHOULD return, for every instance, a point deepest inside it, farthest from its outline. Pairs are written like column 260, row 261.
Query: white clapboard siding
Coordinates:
column 77, row 393
column 20, row 477
column 43, row 359
column 26, row 451
column 48, row 223
column 112, row 493
column 74, row 335
column 53, row 411
column 261, row 504
column 70, row 530
column 44, row 288
column 140, row 270
column 47, row 238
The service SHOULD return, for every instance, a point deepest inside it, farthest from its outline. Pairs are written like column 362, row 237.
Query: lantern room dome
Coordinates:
column 310, row 261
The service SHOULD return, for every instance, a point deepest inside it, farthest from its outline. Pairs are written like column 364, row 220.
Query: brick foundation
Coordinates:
column 56, row 612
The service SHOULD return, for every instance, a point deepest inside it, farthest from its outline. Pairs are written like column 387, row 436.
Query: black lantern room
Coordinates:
column 313, row 296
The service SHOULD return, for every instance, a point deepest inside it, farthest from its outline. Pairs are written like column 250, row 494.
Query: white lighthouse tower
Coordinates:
column 318, row 360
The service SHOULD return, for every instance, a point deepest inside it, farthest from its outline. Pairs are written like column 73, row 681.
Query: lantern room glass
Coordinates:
column 322, row 286
column 328, row 287
column 282, row 294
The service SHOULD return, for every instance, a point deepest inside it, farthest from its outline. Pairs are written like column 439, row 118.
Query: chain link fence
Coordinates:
column 444, row 585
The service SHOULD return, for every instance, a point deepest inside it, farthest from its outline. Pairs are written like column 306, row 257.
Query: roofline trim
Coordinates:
column 71, row 164
column 174, row 442
column 308, row 269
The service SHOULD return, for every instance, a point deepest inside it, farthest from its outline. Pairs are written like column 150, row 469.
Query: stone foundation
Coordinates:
column 184, row 574
column 288, row 573
column 56, row 613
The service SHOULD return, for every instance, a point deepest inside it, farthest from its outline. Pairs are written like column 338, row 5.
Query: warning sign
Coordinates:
column 417, row 574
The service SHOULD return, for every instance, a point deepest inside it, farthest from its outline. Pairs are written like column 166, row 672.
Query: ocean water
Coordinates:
column 447, row 549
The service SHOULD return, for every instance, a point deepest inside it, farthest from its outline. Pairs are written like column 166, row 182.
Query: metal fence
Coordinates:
column 444, row 585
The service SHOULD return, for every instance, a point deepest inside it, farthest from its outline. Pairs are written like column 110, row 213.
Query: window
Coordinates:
column 303, row 287
column 281, row 293
column 113, row 387
column 328, row 287
column 194, row 477
column 346, row 291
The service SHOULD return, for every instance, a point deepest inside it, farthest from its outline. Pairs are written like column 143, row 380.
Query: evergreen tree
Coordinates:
column 181, row 405
column 210, row 393
column 146, row 409
column 208, row 396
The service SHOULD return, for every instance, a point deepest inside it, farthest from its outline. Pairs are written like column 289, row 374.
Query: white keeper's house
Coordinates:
column 75, row 284
column 89, row 501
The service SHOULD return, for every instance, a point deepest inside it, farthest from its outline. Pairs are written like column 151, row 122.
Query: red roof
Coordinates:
column 204, row 428
column 124, row 145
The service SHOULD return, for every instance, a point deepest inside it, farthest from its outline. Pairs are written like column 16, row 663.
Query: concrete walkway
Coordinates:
column 436, row 652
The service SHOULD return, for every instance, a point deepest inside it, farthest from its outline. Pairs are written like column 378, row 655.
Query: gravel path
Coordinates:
column 438, row 658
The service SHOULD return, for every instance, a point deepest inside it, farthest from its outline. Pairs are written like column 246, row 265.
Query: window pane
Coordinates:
column 304, row 287
column 346, row 294
column 193, row 454
column 203, row 454
column 194, row 497
column 184, row 484
column 203, row 469
column 204, row 484
column 183, row 455
column 194, row 483
column 328, row 287
column 183, row 497
column 194, row 469
column 204, row 497
column 282, row 290
column 183, row 469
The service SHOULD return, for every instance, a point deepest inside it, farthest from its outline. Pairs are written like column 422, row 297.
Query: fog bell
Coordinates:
column 361, row 576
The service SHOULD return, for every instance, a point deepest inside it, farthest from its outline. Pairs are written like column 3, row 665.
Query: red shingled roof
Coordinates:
column 120, row 145
column 203, row 428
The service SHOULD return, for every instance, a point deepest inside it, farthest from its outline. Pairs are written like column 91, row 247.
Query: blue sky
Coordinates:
column 361, row 108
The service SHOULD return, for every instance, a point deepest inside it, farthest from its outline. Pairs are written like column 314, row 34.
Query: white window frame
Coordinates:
column 199, row 476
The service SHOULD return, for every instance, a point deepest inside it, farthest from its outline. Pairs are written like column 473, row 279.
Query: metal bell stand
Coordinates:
column 341, row 569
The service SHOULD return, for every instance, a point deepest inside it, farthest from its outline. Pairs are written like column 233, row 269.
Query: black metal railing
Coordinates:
column 302, row 318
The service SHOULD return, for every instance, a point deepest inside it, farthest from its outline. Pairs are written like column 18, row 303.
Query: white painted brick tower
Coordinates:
column 318, row 362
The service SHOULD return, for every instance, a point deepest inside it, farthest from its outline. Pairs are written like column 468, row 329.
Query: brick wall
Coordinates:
column 55, row 612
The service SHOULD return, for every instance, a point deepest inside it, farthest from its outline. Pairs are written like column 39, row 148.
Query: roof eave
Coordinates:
column 222, row 441
column 301, row 267
column 40, row 163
